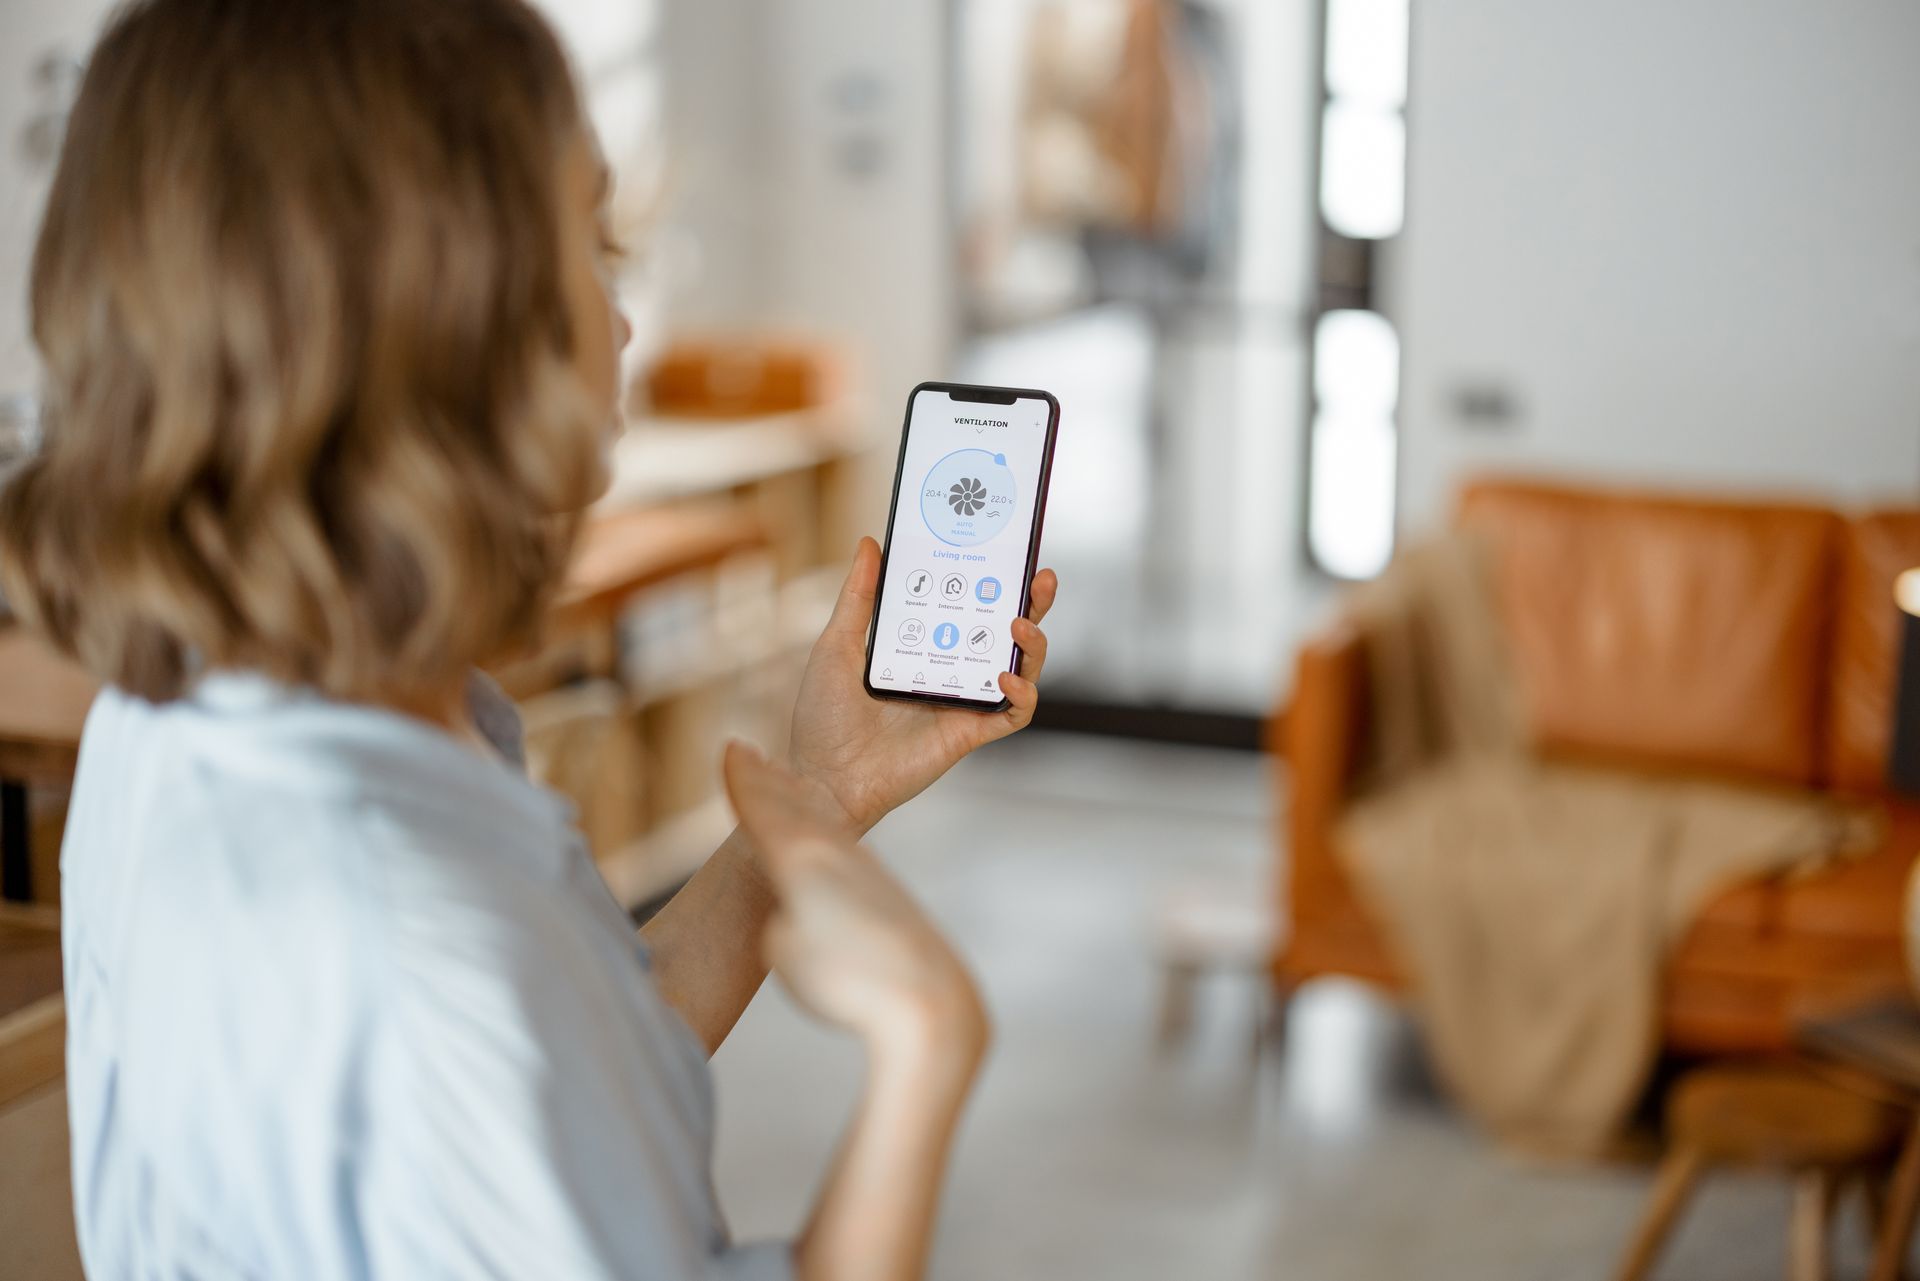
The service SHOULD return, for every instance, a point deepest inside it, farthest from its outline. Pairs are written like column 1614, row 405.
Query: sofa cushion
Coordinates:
column 1662, row 632
column 1828, row 941
column 1864, row 898
column 1874, row 549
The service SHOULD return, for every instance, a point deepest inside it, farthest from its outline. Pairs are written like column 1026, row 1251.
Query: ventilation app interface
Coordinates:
column 956, row 564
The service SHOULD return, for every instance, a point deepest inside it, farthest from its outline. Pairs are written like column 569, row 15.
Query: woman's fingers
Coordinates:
column 1025, row 697
column 1046, row 586
column 853, row 608
column 1033, row 648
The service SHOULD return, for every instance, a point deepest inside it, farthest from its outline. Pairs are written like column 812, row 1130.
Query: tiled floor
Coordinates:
column 1088, row 1154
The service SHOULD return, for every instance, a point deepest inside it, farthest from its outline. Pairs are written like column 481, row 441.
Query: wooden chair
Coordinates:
column 1775, row 1117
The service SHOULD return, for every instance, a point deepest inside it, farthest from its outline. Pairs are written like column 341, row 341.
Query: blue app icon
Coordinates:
column 987, row 590
column 946, row 636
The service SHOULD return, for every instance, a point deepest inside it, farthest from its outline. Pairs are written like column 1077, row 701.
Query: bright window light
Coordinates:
column 1363, row 170
column 1356, row 364
column 1367, row 51
column 1350, row 509
column 602, row 35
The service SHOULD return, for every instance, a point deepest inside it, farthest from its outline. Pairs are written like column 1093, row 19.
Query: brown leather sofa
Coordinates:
column 1743, row 640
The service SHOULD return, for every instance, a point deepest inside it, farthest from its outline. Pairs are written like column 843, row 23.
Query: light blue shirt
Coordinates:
column 346, row 999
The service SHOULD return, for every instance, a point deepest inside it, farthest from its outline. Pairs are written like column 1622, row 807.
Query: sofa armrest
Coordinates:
column 1320, row 740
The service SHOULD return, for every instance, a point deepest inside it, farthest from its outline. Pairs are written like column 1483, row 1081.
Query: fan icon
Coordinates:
column 967, row 496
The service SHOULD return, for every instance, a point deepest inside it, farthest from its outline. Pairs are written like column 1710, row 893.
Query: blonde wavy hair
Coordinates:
column 310, row 404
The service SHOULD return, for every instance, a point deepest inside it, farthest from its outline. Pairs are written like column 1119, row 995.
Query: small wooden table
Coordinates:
column 1876, row 1049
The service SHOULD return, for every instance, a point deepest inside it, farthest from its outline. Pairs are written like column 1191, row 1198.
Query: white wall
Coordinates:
column 806, row 180
column 717, row 199
column 1683, row 237
column 29, row 31
column 610, row 40
column 864, row 252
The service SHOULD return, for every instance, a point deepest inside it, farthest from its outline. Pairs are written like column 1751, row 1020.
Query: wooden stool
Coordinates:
column 1776, row 1117
column 1212, row 927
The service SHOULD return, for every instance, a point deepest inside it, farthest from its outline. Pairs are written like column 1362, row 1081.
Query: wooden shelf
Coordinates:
column 664, row 459
column 32, row 1013
column 43, row 704
column 622, row 553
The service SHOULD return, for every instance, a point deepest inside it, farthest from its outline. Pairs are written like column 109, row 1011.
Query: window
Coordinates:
column 1353, row 444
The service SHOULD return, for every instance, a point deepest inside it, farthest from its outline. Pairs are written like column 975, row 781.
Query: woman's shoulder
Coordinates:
column 335, row 854
column 270, row 801
column 262, row 748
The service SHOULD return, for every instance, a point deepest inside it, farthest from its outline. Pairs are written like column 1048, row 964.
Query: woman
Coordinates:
column 322, row 297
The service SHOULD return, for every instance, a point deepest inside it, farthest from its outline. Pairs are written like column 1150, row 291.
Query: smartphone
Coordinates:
column 962, row 544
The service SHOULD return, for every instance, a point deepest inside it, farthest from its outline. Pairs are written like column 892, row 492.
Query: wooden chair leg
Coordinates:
column 1873, row 1192
column 1874, row 1181
column 1269, row 1015
column 1814, row 1195
column 1176, row 1000
column 1903, row 1198
column 1672, row 1188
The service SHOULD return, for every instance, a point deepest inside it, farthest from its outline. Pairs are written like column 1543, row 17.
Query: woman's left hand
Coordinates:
column 871, row 754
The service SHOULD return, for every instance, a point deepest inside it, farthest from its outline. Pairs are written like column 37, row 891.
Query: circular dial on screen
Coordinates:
column 968, row 497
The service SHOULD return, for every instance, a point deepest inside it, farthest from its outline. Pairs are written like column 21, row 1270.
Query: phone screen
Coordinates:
column 961, row 542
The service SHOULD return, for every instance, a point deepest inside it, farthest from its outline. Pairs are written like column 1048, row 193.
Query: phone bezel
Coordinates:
column 976, row 394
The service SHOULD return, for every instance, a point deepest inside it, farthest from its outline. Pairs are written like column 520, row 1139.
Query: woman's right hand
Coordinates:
column 847, row 940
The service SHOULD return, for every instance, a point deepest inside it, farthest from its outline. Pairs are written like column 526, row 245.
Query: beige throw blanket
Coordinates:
column 1533, row 904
